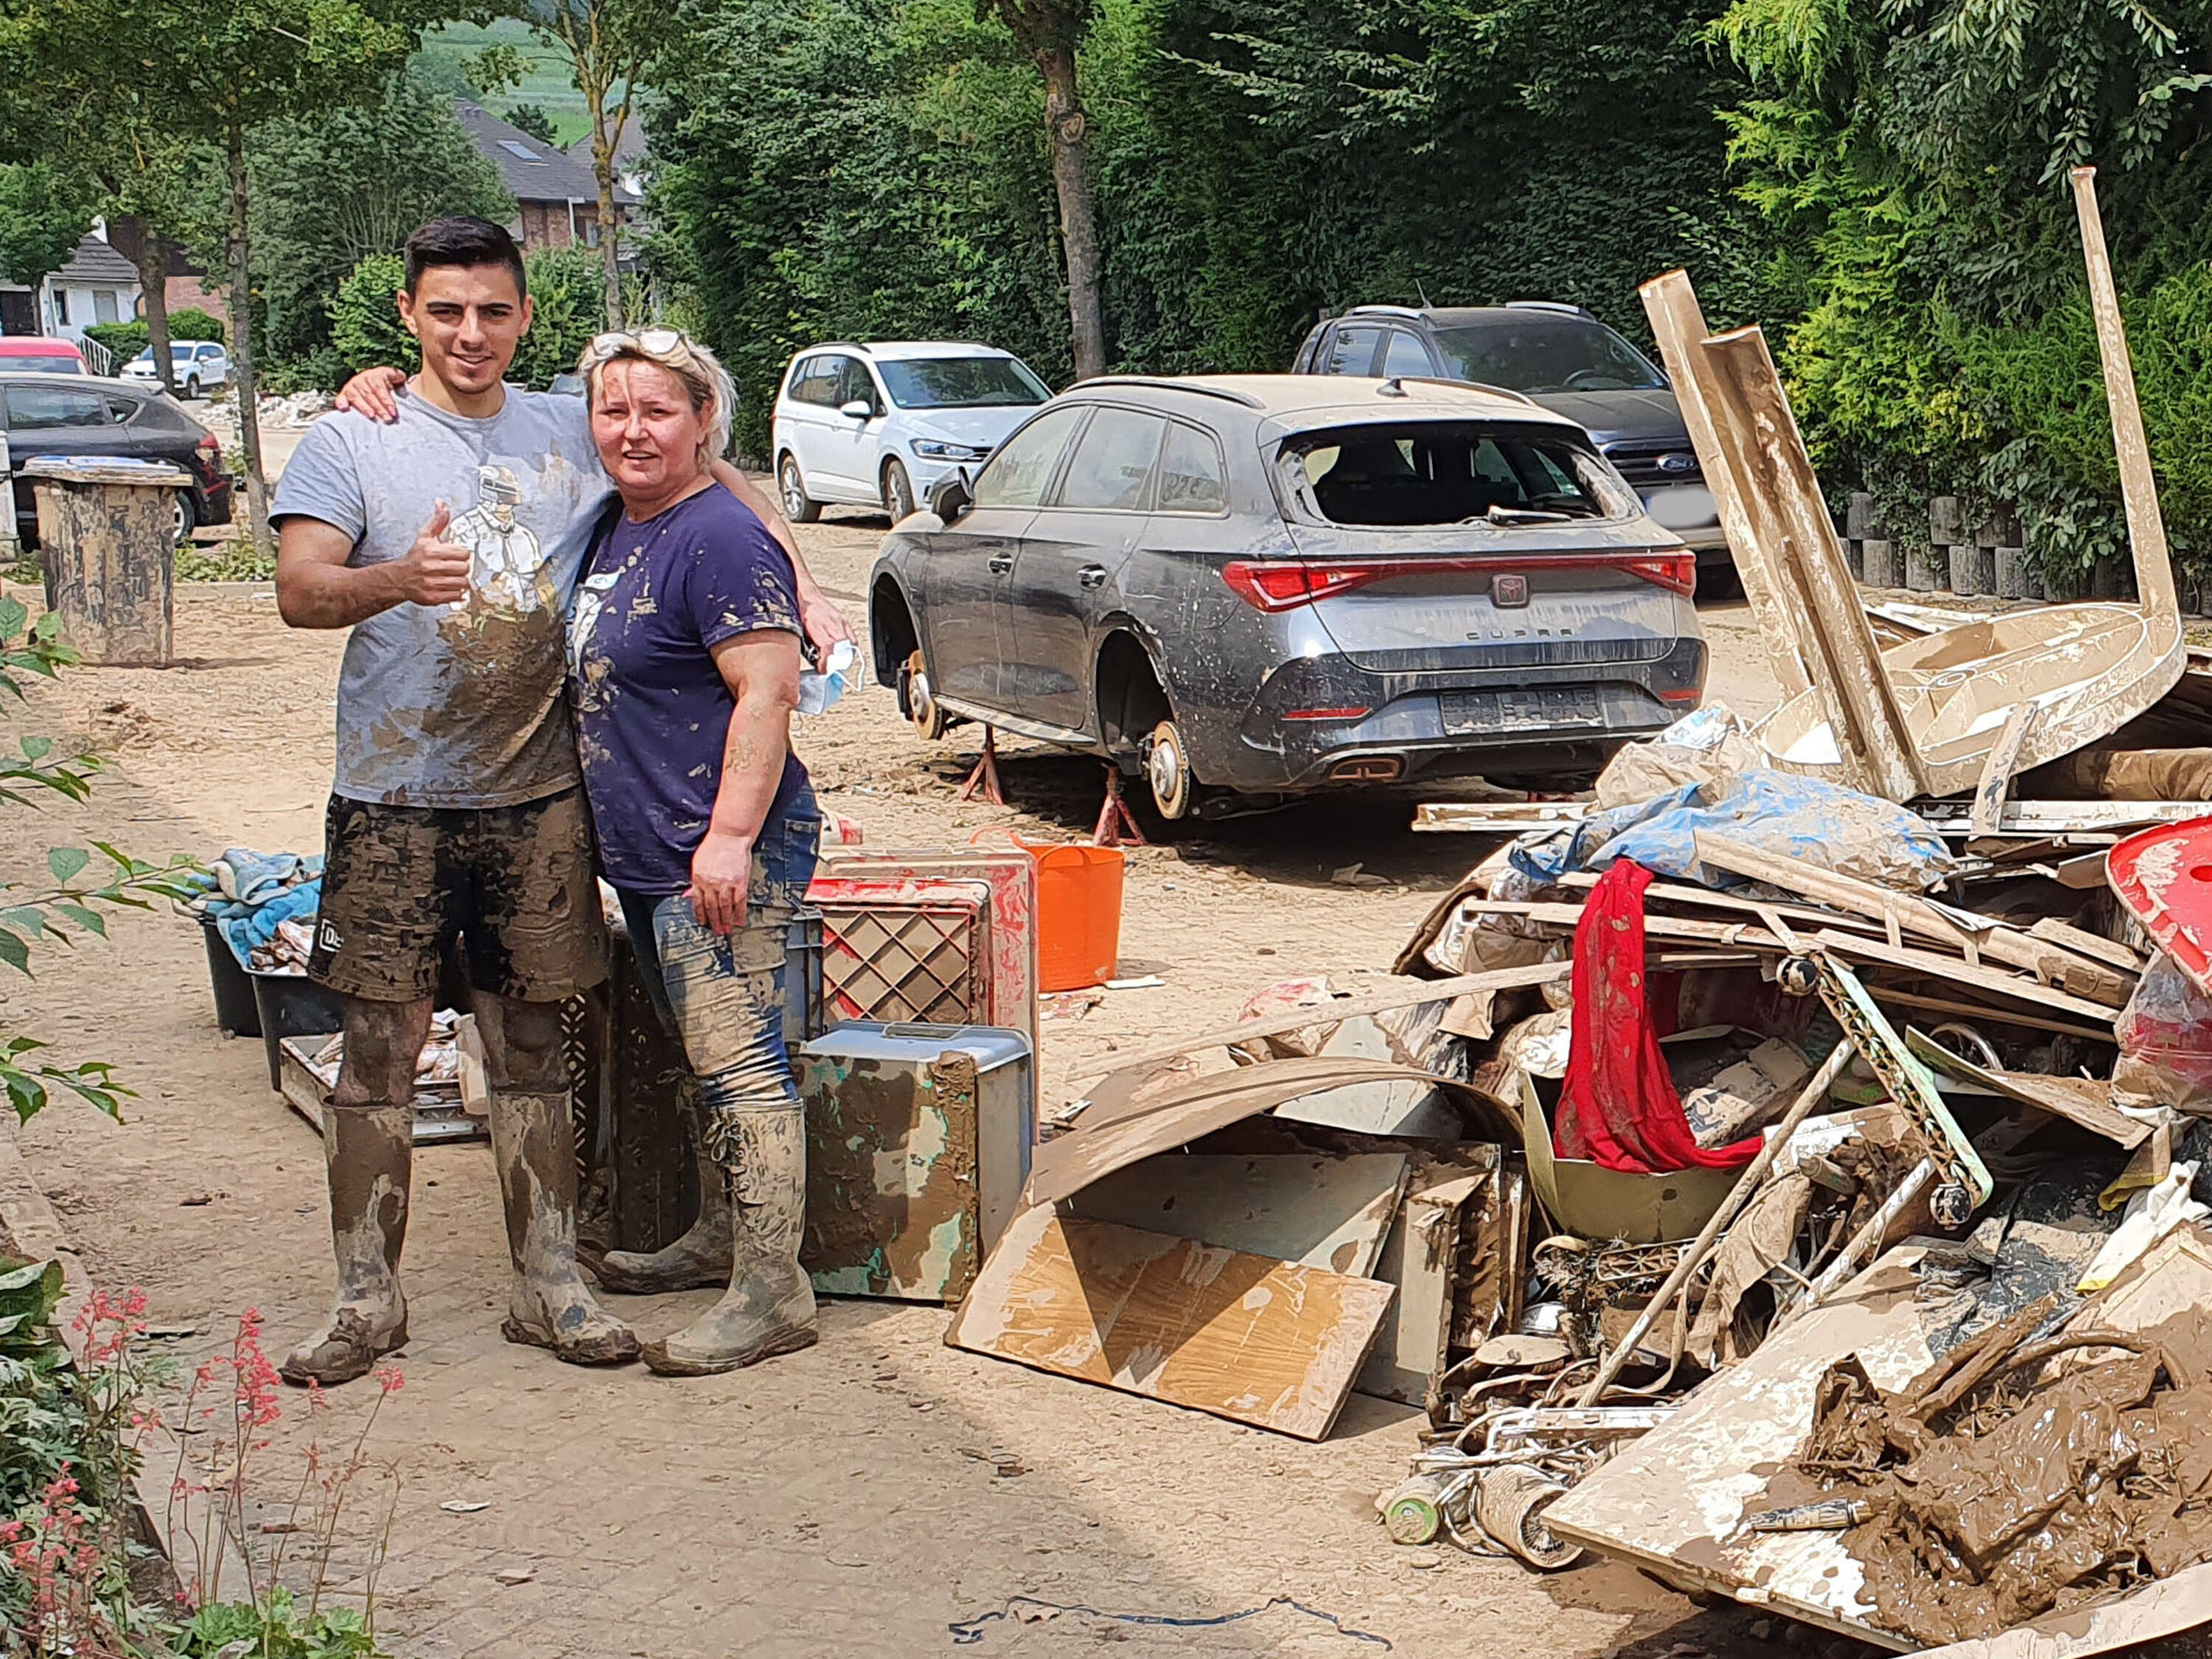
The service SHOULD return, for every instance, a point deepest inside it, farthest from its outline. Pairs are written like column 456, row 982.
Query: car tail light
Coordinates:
column 1274, row 585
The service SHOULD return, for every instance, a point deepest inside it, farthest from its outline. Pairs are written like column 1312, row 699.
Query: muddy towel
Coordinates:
column 1618, row 1107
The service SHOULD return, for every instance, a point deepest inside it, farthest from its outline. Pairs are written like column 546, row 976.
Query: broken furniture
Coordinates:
column 917, row 1141
column 1930, row 716
column 2045, row 1514
column 108, row 540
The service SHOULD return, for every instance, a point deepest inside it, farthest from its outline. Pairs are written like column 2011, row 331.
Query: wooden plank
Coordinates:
column 1405, row 995
column 2155, row 585
column 1680, row 325
column 1315, row 1210
column 2109, row 951
column 1993, row 980
column 2050, row 961
column 1746, row 437
column 1245, row 1337
column 1997, row 770
column 1972, row 1010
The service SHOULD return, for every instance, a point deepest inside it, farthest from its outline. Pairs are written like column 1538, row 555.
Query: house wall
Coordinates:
column 72, row 307
column 546, row 224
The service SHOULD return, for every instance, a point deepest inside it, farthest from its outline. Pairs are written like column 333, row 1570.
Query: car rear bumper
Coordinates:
column 1320, row 721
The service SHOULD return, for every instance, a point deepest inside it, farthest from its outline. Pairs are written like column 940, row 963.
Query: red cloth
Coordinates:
column 1619, row 1108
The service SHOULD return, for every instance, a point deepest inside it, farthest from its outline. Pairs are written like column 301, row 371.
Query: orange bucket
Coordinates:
column 1079, row 910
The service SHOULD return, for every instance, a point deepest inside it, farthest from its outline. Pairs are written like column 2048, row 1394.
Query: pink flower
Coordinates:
column 391, row 1377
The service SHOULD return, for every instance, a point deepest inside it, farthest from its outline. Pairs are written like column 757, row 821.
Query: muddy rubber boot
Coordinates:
column 370, row 1154
column 769, row 1309
column 548, row 1306
column 702, row 1256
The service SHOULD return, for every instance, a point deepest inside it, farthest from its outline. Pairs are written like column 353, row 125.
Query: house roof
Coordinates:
column 94, row 261
column 531, row 170
column 630, row 146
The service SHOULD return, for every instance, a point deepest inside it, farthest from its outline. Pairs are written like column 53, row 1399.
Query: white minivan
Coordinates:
column 876, row 425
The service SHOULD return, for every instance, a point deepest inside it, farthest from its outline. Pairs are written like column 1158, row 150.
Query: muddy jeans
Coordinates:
column 722, row 995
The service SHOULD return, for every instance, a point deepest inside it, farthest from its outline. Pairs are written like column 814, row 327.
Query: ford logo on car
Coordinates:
column 1677, row 462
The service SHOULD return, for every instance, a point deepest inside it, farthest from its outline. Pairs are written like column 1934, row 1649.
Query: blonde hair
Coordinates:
column 713, row 394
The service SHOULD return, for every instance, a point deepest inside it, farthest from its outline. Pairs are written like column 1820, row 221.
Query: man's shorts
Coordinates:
column 517, row 885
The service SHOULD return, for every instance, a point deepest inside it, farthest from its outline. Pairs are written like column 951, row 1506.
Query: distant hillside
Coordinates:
column 547, row 85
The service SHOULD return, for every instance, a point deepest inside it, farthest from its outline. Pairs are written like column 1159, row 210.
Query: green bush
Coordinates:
column 567, row 304
column 125, row 340
column 193, row 324
column 365, row 328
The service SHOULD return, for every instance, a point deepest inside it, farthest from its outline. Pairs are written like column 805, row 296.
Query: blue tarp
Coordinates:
column 1837, row 828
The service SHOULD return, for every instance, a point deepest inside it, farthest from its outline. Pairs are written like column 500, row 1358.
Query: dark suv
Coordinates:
column 1564, row 359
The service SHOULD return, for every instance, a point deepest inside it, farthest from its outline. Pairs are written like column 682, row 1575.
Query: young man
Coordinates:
column 450, row 540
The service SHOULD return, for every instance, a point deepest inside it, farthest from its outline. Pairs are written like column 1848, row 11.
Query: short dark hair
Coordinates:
column 460, row 240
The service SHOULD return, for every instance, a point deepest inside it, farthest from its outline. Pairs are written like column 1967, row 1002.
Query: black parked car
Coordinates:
column 1263, row 586
column 1564, row 358
column 51, row 415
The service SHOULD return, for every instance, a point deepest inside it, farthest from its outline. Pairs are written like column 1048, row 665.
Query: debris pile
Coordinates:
column 1781, row 1172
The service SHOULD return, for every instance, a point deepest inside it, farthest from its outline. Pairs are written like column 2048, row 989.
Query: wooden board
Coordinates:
column 1423, row 1250
column 1675, row 1500
column 1314, row 1210
column 1245, row 1337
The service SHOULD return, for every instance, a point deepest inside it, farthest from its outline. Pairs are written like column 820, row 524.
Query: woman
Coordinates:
column 684, row 655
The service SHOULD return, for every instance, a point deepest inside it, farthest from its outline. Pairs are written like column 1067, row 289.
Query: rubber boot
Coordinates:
column 548, row 1306
column 702, row 1256
column 370, row 1153
column 769, row 1309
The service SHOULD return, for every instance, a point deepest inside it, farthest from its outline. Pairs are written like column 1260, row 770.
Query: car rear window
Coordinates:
column 30, row 362
column 1434, row 472
column 960, row 383
column 1538, row 353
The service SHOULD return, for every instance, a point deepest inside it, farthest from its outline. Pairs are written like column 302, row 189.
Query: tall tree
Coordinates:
column 1051, row 31
column 224, row 67
column 608, row 46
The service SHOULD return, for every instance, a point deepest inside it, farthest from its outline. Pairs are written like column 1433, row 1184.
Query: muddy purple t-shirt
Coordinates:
column 653, row 714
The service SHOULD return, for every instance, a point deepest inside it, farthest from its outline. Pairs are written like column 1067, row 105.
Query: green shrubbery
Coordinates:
column 127, row 340
column 566, row 303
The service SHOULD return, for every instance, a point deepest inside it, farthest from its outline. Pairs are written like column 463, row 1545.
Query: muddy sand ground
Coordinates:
column 844, row 1501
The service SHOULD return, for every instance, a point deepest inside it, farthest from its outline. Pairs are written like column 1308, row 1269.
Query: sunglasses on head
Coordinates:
column 652, row 342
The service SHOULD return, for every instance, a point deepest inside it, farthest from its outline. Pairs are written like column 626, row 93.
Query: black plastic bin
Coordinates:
column 235, row 1009
column 292, row 1005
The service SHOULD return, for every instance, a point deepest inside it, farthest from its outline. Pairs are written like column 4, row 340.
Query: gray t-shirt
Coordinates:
column 458, row 705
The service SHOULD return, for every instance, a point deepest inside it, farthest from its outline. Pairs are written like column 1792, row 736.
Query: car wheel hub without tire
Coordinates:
column 921, row 706
column 1167, row 769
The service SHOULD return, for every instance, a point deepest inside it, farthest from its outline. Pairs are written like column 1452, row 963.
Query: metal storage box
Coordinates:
column 918, row 1142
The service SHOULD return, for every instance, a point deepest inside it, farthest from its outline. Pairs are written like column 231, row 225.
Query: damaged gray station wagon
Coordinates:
column 1257, row 586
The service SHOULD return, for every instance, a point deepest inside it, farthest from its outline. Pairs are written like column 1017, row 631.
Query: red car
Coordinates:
column 36, row 354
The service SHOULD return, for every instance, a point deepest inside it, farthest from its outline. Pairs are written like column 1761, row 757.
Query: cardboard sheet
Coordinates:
column 1246, row 1337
